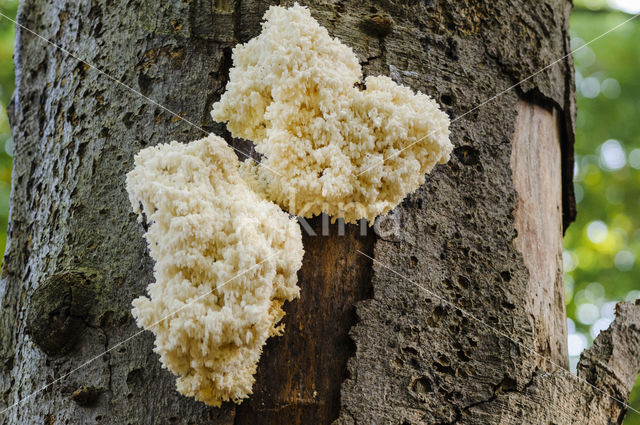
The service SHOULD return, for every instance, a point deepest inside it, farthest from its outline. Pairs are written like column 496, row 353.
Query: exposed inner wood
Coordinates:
column 535, row 163
column 300, row 373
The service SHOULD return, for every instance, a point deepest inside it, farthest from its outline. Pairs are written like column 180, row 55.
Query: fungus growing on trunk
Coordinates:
column 225, row 262
column 327, row 145
column 227, row 257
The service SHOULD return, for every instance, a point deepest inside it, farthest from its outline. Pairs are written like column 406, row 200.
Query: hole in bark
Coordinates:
column 468, row 155
column 95, row 12
column 462, row 355
column 397, row 362
column 144, row 82
column 410, row 350
column 107, row 317
column 493, row 320
column 71, row 113
column 97, row 30
column 421, row 385
column 461, row 373
column 508, row 305
column 414, row 261
column 444, row 369
column 379, row 25
column 463, row 282
column 442, row 364
column 86, row 396
column 436, row 316
column 415, row 363
column 453, row 168
column 443, row 360
column 127, row 119
column 508, row 384
column 133, row 377
column 505, row 275
column 447, row 99
column 452, row 49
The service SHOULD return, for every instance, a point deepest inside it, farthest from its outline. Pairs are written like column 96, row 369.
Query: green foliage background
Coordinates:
column 602, row 246
column 7, row 33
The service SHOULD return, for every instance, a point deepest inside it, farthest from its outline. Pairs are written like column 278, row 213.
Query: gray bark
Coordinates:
column 76, row 258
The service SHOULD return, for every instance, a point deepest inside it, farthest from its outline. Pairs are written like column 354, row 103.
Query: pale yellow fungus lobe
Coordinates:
column 225, row 262
column 327, row 145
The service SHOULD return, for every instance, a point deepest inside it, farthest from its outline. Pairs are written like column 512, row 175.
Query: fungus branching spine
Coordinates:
column 226, row 253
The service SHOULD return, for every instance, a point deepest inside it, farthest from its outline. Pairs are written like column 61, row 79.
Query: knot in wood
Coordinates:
column 56, row 315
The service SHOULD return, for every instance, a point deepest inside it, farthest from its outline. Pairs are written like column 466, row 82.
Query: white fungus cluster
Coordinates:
column 226, row 257
column 226, row 260
column 327, row 145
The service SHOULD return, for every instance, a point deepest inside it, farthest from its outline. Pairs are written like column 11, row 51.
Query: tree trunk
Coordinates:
column 458, row 318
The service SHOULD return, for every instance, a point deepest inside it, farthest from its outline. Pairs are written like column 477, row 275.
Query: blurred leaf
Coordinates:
column 608, row 129
column 7, row 34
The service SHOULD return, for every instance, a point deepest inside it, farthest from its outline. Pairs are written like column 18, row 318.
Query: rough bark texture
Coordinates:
column 76, row 257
